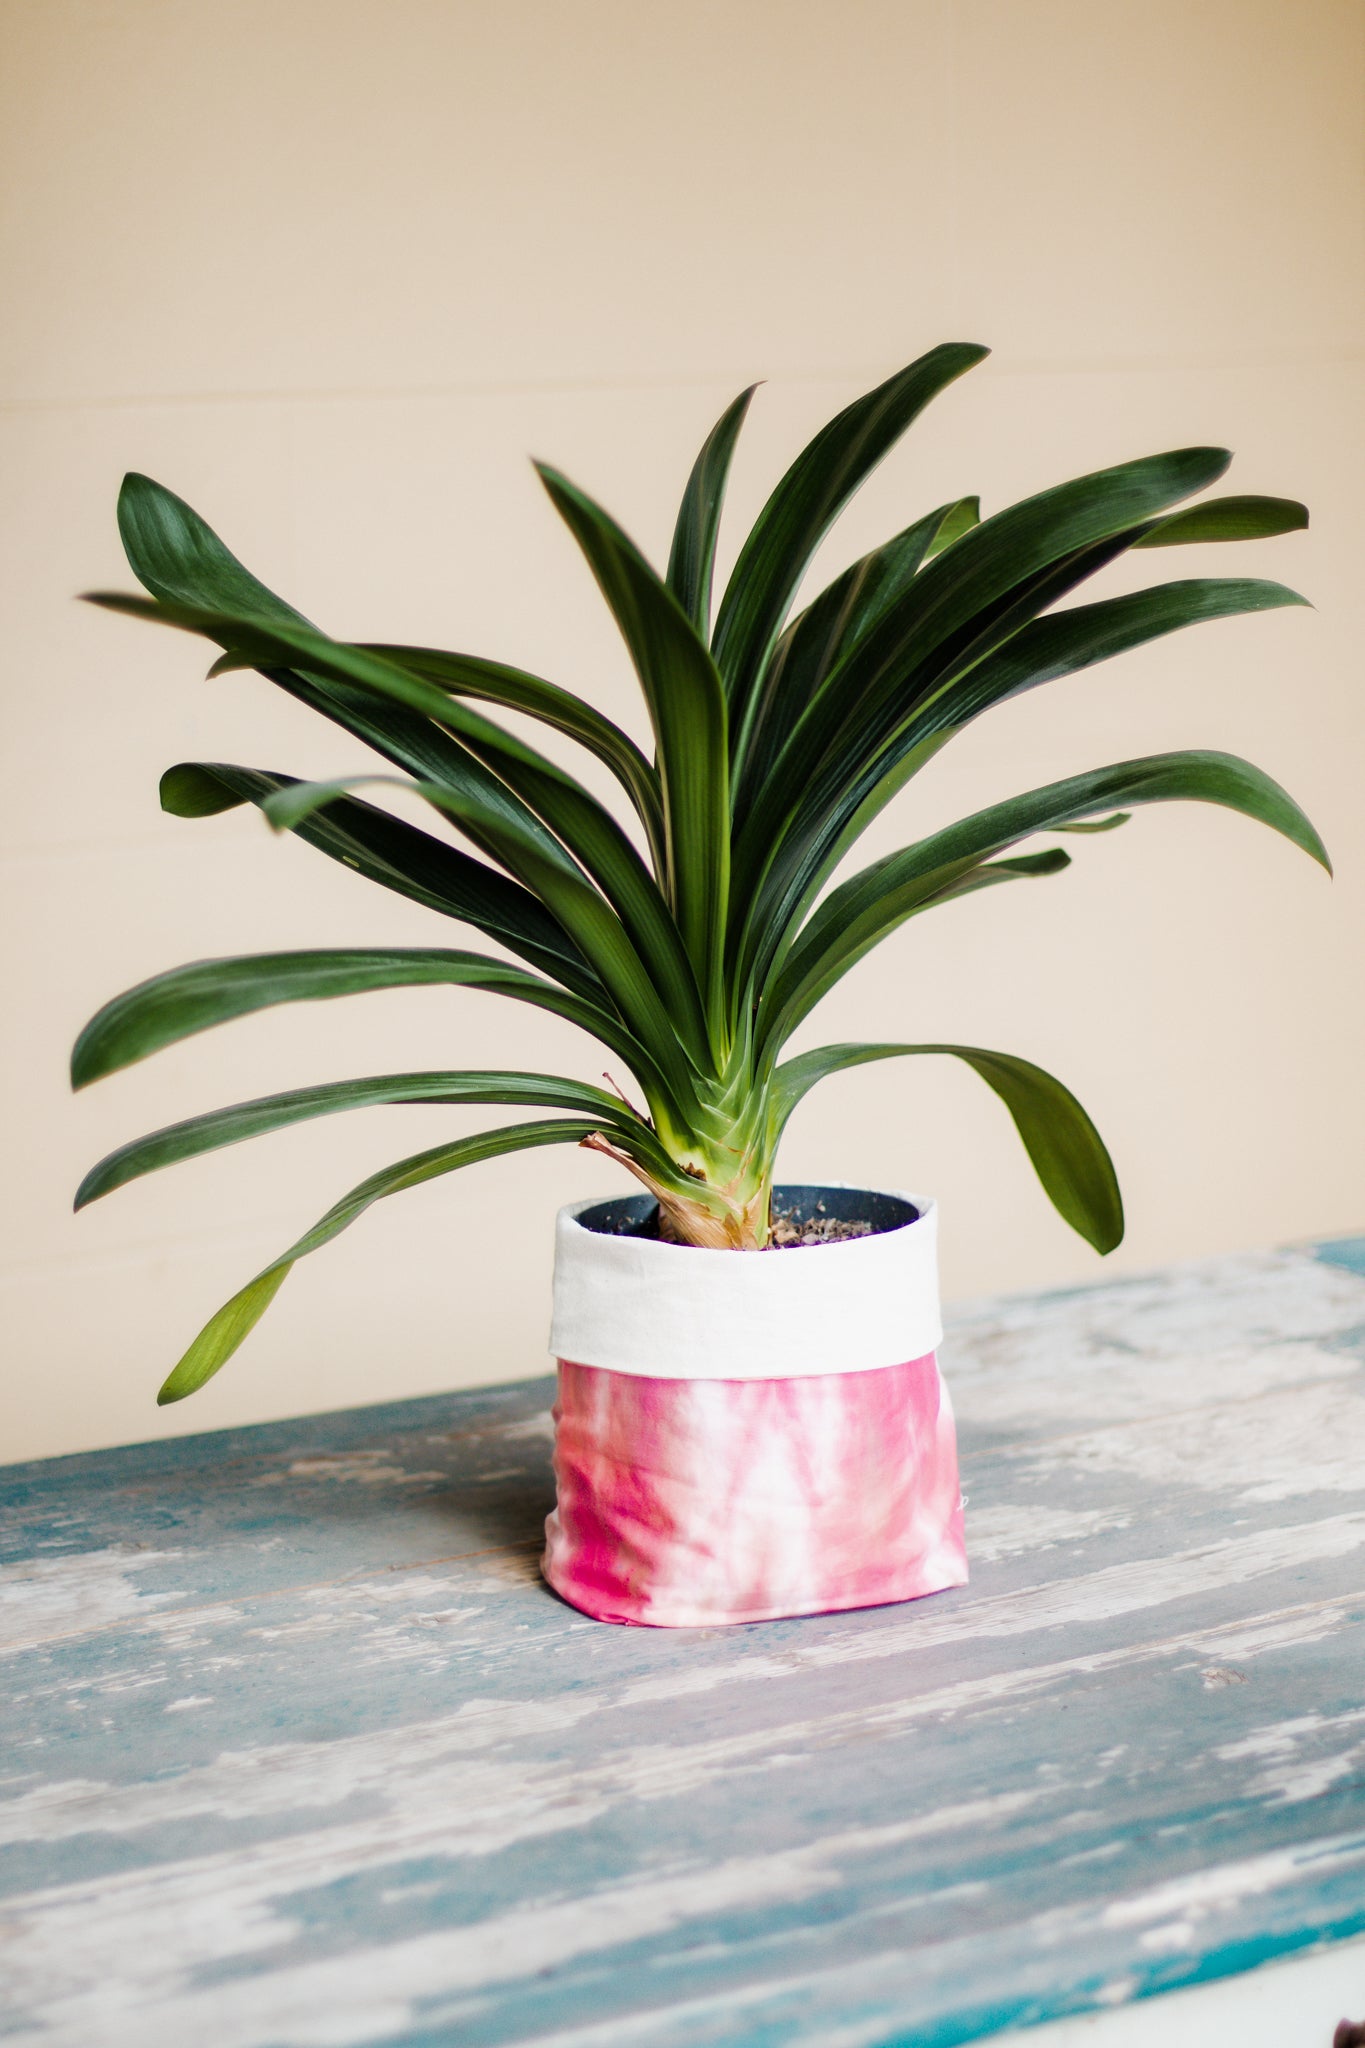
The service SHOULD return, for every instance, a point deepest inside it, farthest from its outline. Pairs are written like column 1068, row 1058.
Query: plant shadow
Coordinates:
column 506, row 1513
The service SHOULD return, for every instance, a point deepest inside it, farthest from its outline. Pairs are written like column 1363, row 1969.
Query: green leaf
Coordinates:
column 960, row 518
column 1097, row 824
column 280, row 643
column 504, row 794
column 273, row 646
column 386, row 850
column 600, row 849
column 958, row 879
column 597, row 845
column 587, row 916
column 496, row 819
column 800, row 512
column 1232, row 518
column 179, row 558
column 408, row 739
column 692, row 560
column 827, row 630
column 687, row 711
column 1067, row 1152
column 465, row 675
column 960, row 609
column 182, row 561
column 231, row 1126
column 867, row 908
column 1066, row 642
column 187, row 1000
column 195, row 789
column 224, row 1332
column 1019, row 867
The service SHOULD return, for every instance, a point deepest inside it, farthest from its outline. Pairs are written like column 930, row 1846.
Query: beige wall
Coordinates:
column 333, row 269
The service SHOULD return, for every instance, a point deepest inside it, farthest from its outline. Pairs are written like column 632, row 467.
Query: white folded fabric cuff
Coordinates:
column 665, row 1311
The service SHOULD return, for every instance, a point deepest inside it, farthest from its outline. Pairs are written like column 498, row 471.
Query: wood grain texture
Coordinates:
column 302, row 1754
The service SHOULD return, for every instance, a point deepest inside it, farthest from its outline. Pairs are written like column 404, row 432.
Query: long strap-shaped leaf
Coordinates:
column 268, row 644
column 856, row 916
column 801, row 510
column 995, row 562
column 1231, row 518
column 271, row 645
column 1019, row 867
column 242, row 1120
column 687, row 711
column 1061, row 644
column 692, row 560
column 831, row 626
column 602, row 850
column 177, row 556
column 187, row 1000
column 1067, row 1152
column 581, row 909
column 493, row 818
column 386, row 850
column 973, row 596
column 467, row 675
column 961, row 878
column 182, row 561
column 640, row 959
column 1028, row 552
column 408, row 739
column 224, row 1332
column 488, row 812
column 1066, row 642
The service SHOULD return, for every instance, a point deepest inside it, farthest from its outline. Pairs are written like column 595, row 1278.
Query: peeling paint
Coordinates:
column 60, row 1596
column 302, row 1754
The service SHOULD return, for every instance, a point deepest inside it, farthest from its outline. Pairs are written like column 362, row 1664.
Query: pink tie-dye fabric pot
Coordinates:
column 741, row 1436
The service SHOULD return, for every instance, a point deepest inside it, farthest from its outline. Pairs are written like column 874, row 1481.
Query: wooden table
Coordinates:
column 301, row 1754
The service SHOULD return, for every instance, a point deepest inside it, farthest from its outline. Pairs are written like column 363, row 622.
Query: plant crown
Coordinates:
column 694, row 938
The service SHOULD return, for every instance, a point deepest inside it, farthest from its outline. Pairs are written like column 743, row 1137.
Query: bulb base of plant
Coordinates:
column 733, row 1215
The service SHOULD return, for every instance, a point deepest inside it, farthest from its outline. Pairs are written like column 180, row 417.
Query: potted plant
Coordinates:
column 738, row 1436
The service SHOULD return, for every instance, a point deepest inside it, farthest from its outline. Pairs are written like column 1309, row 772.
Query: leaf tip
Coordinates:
column 190, row 789
column 1304, row 834
column 1103, row 1224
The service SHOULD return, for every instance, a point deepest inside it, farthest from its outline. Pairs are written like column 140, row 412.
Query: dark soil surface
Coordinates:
column 791, row 1230
column 802, row 1215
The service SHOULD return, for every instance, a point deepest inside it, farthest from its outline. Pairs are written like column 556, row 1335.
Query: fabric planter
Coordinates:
column 744, row 1435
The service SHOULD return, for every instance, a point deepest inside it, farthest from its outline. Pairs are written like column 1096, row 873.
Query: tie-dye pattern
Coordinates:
column 686, row 1503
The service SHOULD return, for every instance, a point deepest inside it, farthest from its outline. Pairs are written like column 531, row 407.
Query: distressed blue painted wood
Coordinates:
column 301, row 1754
